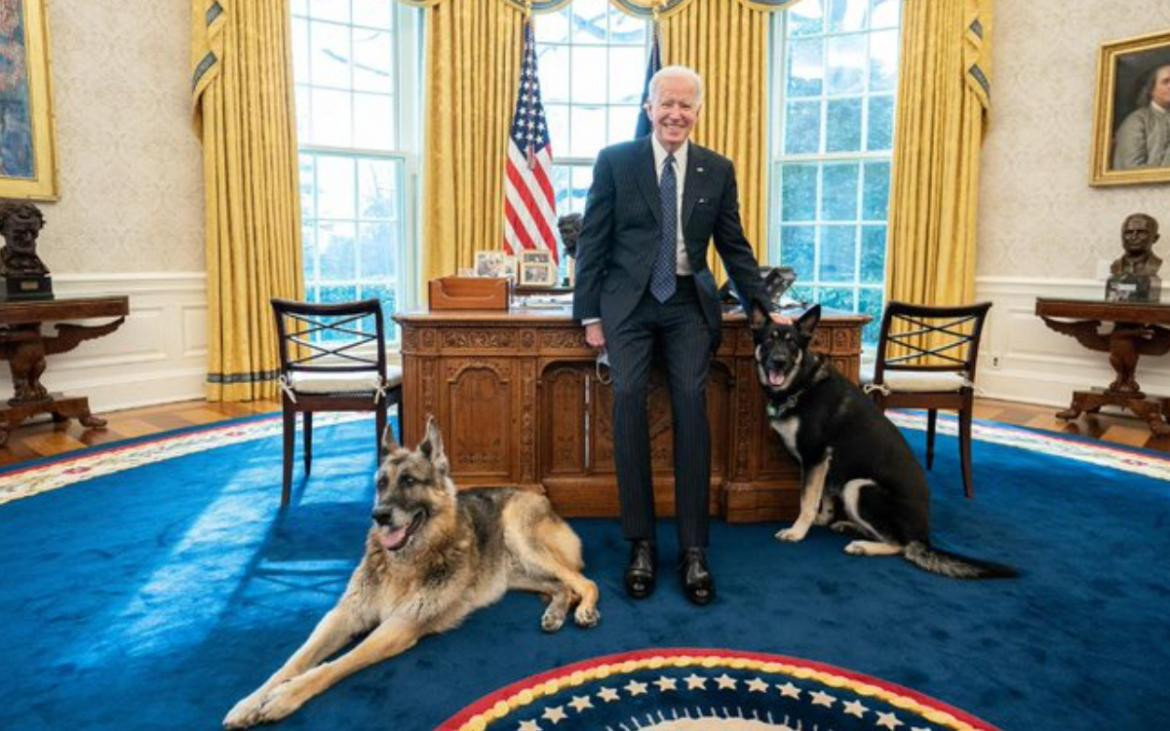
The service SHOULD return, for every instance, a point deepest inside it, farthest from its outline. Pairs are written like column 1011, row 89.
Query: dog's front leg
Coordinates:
column 390, row 638
column 331, row 634
column 810, row 499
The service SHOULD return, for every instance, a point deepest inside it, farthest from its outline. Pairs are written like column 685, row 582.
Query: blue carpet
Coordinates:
column 156, row 598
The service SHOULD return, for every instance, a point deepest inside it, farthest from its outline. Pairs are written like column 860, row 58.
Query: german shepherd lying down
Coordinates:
column 432, row 557
column 858, row 474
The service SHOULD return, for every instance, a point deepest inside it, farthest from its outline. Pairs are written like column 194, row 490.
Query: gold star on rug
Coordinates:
column 695, row 682
column 580, row 703
column 609, row 695
column 821, row 698
column 726, row 682
column 788, row 690
column 555, row 714
column 664, row 683
column 855, row 708
column 634, row 688
column 888, row 720
column 756, row 685
column 529, row 726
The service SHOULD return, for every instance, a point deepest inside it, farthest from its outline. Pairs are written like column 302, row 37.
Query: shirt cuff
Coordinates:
column 590, row 321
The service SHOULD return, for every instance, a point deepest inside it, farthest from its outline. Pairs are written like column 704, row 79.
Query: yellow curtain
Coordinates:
column 943, row 96
column 726, row 41
column 242, row 84
column 473, row 65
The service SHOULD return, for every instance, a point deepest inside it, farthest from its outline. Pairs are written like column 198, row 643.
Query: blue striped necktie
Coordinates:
column 662, row 281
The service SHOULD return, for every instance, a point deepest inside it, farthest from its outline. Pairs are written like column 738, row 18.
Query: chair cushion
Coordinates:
column 339, row 382
column 925, row 381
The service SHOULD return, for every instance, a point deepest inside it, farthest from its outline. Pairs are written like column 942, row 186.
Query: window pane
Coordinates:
column 306, row 183
column 847, row 15
column 376, row 242
column 798, row 187
column 838, row 251
column 560, row 183
column 843, row 125
column 373, row 13
column 330, row 10
column 330, row 49
column 806, row 17
column 839, row 193
column 883, row 61
column 627, row 30
column 300, row 7
column 588, row 133
column 836, row 298
column 588, row 84
column 625, row 83
column 552, row 28
column 846, row 64
column 802, row 128
column 376, row 127
column 873, row 254
column 309, row 252
column 552, row 65
column 869, row 302
column 331, row 118
column 806, row 67
column 335, row 182
column 387, row 295
column 798, row 249
column 335, row 247
column 876, row 199
column 303, row 112
column 623, row 121
column 336, row 294
column 589, row 21
column 373, row 68
column 300, row 42
column 557, row 116
column 880, row 133
column 885, row 13
column 581, row 180
column 378, row 189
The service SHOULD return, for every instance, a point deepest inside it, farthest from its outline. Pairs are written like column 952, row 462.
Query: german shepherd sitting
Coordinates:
column 433, row 556
column 858, row 473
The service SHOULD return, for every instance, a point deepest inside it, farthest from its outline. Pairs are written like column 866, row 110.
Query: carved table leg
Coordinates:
column 1152, row 414
column 91, row 421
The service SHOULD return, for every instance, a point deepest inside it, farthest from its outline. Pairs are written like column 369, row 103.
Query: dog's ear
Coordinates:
column 758, row 317
column 432, row 447
column 389, row 443
column 808, row 321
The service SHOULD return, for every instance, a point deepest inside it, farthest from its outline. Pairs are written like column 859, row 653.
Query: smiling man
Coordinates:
column 643, row 286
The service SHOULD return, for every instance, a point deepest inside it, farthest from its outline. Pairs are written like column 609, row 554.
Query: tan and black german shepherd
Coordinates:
column 433, row 556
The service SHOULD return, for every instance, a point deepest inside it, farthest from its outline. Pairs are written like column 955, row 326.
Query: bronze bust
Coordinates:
column 20, row 223
column 1134, row 275
column 1138, row 235
column 569, row 227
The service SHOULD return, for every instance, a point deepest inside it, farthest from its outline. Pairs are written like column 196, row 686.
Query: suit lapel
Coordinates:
column 695, row 181
column 647, row 177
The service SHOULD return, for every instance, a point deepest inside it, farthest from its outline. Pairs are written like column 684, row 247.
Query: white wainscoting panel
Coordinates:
column 158, row 355
column 1020, row 359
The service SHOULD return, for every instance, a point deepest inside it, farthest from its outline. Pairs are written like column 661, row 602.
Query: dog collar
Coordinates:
column 778, row 409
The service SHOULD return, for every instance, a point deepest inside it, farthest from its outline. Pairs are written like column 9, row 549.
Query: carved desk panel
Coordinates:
column 518, row 398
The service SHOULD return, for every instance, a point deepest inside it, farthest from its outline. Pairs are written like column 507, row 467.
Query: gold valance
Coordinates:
column 636, row 8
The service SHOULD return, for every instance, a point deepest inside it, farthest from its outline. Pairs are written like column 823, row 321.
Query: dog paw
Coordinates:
column 246, row 713
column 552, row 620
column 280, row 702
column 792, row 534
column 856, row 548
column 586, row 617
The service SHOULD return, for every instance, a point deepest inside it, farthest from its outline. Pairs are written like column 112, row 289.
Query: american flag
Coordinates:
column 530, row 217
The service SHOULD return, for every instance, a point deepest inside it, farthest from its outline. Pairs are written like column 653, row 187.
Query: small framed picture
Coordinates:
column 1133, row 97
column 537, row 269
column 495, row 264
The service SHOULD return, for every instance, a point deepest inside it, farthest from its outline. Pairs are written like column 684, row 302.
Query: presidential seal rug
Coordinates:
column 699, row 689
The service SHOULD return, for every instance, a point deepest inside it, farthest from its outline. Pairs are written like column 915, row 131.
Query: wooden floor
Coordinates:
column 48, row 439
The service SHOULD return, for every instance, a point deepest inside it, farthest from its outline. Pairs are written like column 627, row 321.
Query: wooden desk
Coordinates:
column 519, row 403
column 1136, row 330
column 25, row 349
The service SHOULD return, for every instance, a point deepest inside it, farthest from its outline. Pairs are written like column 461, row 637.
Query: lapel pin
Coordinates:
column 698, row 169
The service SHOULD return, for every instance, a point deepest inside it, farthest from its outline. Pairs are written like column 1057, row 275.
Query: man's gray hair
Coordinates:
column 677, row 72
column 1146, row 92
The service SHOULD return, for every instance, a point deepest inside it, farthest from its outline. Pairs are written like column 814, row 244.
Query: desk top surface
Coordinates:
column 18, row 312
column 560, row 315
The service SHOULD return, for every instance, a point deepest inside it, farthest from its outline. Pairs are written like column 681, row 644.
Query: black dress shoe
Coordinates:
column 640, row 571
column 698, row 584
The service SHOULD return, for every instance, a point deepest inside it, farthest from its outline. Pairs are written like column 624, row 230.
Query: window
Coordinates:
column 356, row 66
column 592, row 64
column 834, row 76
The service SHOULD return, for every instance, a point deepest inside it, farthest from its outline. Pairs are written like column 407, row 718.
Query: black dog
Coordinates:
column 859, row 474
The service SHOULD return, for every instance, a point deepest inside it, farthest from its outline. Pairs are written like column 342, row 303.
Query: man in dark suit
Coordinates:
column 643, row 285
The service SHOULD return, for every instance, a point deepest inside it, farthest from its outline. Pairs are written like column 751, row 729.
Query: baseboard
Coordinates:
column 1022, row 360
column 158, row 355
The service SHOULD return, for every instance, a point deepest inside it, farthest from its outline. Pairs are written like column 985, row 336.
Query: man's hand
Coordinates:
column 781, row 319
column 594, row 335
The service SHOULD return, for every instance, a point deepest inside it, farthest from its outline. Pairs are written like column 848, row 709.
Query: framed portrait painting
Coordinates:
column 1131, row 131
column 28, row 164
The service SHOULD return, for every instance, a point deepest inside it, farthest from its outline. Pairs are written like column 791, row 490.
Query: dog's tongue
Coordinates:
column 393, row 539
column 775, row 379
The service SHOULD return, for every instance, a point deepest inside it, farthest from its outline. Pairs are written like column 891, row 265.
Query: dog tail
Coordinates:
column 953, row 565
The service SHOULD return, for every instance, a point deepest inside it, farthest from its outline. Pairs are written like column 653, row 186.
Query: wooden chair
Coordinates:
column 926, row 359
column 332, row 358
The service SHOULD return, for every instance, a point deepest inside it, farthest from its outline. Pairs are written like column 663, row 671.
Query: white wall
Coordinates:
column 1043, row 231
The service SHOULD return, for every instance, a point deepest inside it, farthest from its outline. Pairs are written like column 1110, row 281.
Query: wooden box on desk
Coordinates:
column 468, row 293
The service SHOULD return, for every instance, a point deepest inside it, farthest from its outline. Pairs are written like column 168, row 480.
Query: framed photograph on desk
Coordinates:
column 537, row 269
